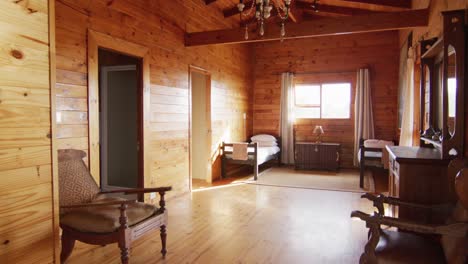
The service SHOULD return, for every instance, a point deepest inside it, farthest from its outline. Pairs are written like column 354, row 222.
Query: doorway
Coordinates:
column 200, row 127
column 120, row 120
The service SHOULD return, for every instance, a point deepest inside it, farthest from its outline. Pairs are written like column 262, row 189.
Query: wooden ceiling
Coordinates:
column 305, row 9
column 315, row 13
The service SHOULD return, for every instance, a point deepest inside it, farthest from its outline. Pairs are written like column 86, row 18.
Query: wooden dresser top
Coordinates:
column 416, row 155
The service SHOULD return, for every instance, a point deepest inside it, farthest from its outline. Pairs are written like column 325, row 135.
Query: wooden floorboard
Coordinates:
column 250, row 224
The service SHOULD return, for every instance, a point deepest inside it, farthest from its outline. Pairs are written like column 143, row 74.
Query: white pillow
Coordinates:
column 263, row 137
column 266, row 143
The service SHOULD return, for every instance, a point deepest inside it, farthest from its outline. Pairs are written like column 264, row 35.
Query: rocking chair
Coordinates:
column 91, row 216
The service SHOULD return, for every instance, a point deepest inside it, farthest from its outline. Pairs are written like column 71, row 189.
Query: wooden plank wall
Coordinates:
column 346, row 53
column 160, row 26
column 27, row 221
column 435, row 30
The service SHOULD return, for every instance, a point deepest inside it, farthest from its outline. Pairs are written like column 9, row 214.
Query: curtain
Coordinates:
column 363, row 117
column 407, row 122
column 287, row 118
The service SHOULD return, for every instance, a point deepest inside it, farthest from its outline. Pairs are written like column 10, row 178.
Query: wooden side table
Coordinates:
column 312, row 155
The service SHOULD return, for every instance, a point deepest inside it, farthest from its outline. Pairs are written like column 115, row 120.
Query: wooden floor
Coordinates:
column 250, row 224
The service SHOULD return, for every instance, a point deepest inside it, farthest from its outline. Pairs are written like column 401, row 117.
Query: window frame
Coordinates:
column 320, row 106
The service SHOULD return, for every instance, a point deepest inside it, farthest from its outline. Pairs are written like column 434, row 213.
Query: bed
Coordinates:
column 371, row 155
column 256, row 156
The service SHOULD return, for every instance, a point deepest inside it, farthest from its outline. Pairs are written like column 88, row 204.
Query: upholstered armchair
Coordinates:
column 94, row 217
column 417, row 242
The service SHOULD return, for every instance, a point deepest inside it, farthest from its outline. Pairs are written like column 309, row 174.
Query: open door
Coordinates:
column 200, row 126
column 120, row 126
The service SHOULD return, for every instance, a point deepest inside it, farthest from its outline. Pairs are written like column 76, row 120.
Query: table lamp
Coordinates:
column 318, row 131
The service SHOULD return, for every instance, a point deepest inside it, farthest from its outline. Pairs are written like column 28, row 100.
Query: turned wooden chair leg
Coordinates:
column 124, row 241
column 124, row 253
column 163, row 240
column 67, row 246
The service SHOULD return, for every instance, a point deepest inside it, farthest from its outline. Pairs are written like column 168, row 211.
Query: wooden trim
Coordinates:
column 53, row 130
column 96, row 40
column 394, row 3
column 316, row 28
column 200, row 70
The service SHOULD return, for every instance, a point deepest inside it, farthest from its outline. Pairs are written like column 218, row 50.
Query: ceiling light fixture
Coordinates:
column 263, row 9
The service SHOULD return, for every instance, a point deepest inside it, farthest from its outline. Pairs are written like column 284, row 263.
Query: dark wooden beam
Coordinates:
column 394, row 3
column 342, row 10
column 317, row 28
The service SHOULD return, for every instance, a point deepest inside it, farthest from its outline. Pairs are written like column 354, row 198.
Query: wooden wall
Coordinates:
column 318, row 56
column 28, row 226
column 159, row 25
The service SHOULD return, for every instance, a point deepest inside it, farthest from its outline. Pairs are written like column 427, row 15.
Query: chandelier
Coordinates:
column 263, row 9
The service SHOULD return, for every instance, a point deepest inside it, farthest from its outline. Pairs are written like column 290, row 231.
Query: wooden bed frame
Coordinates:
column 253, row 162
column 364, row 159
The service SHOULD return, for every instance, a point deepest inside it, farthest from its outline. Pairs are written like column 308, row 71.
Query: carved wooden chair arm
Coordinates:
column 161, row 190
column 455, row 230
column 380, row 200
column 126, row 202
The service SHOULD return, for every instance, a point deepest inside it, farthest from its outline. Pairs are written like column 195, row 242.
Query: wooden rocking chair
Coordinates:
column 89, row 216
column 418, row 245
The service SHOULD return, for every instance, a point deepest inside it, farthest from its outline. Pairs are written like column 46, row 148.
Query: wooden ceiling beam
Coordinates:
column 393, row 3
column 293, row 15
column 317, row 28
column 342, row 10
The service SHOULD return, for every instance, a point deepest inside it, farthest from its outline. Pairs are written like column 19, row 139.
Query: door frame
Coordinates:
column 98, row 40
column 192, row 68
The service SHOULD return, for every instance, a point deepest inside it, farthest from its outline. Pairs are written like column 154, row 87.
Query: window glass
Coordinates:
column 336, row 100
column 307, row 112
column 327, row 100
column 307, row 95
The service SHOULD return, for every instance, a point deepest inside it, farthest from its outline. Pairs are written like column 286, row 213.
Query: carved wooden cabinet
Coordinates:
column 311, row 155
column 419, row 175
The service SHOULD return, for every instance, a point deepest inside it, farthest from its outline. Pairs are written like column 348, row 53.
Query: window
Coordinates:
column 326, row 100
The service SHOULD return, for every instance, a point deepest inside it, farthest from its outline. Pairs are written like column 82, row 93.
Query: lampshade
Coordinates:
column 318, row 130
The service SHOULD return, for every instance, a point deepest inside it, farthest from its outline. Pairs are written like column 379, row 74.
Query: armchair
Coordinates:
column 93, row 217
column 418, row 242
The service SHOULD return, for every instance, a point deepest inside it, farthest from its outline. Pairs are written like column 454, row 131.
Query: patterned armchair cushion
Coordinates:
column 105, row 219
column 76, row 185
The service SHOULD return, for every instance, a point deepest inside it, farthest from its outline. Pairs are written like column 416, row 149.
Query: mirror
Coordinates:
column 427, row 97
column 451, row 89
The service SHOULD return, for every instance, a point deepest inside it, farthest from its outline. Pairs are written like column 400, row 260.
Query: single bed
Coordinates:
column 371, row 155
column 256, row 156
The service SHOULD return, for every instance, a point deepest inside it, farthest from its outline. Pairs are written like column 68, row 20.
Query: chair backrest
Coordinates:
column 455, row 247
column 76, row 185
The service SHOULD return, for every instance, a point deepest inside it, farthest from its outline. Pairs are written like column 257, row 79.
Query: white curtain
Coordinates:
column 363, row 117
column 407, row 120
column 287, row 118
